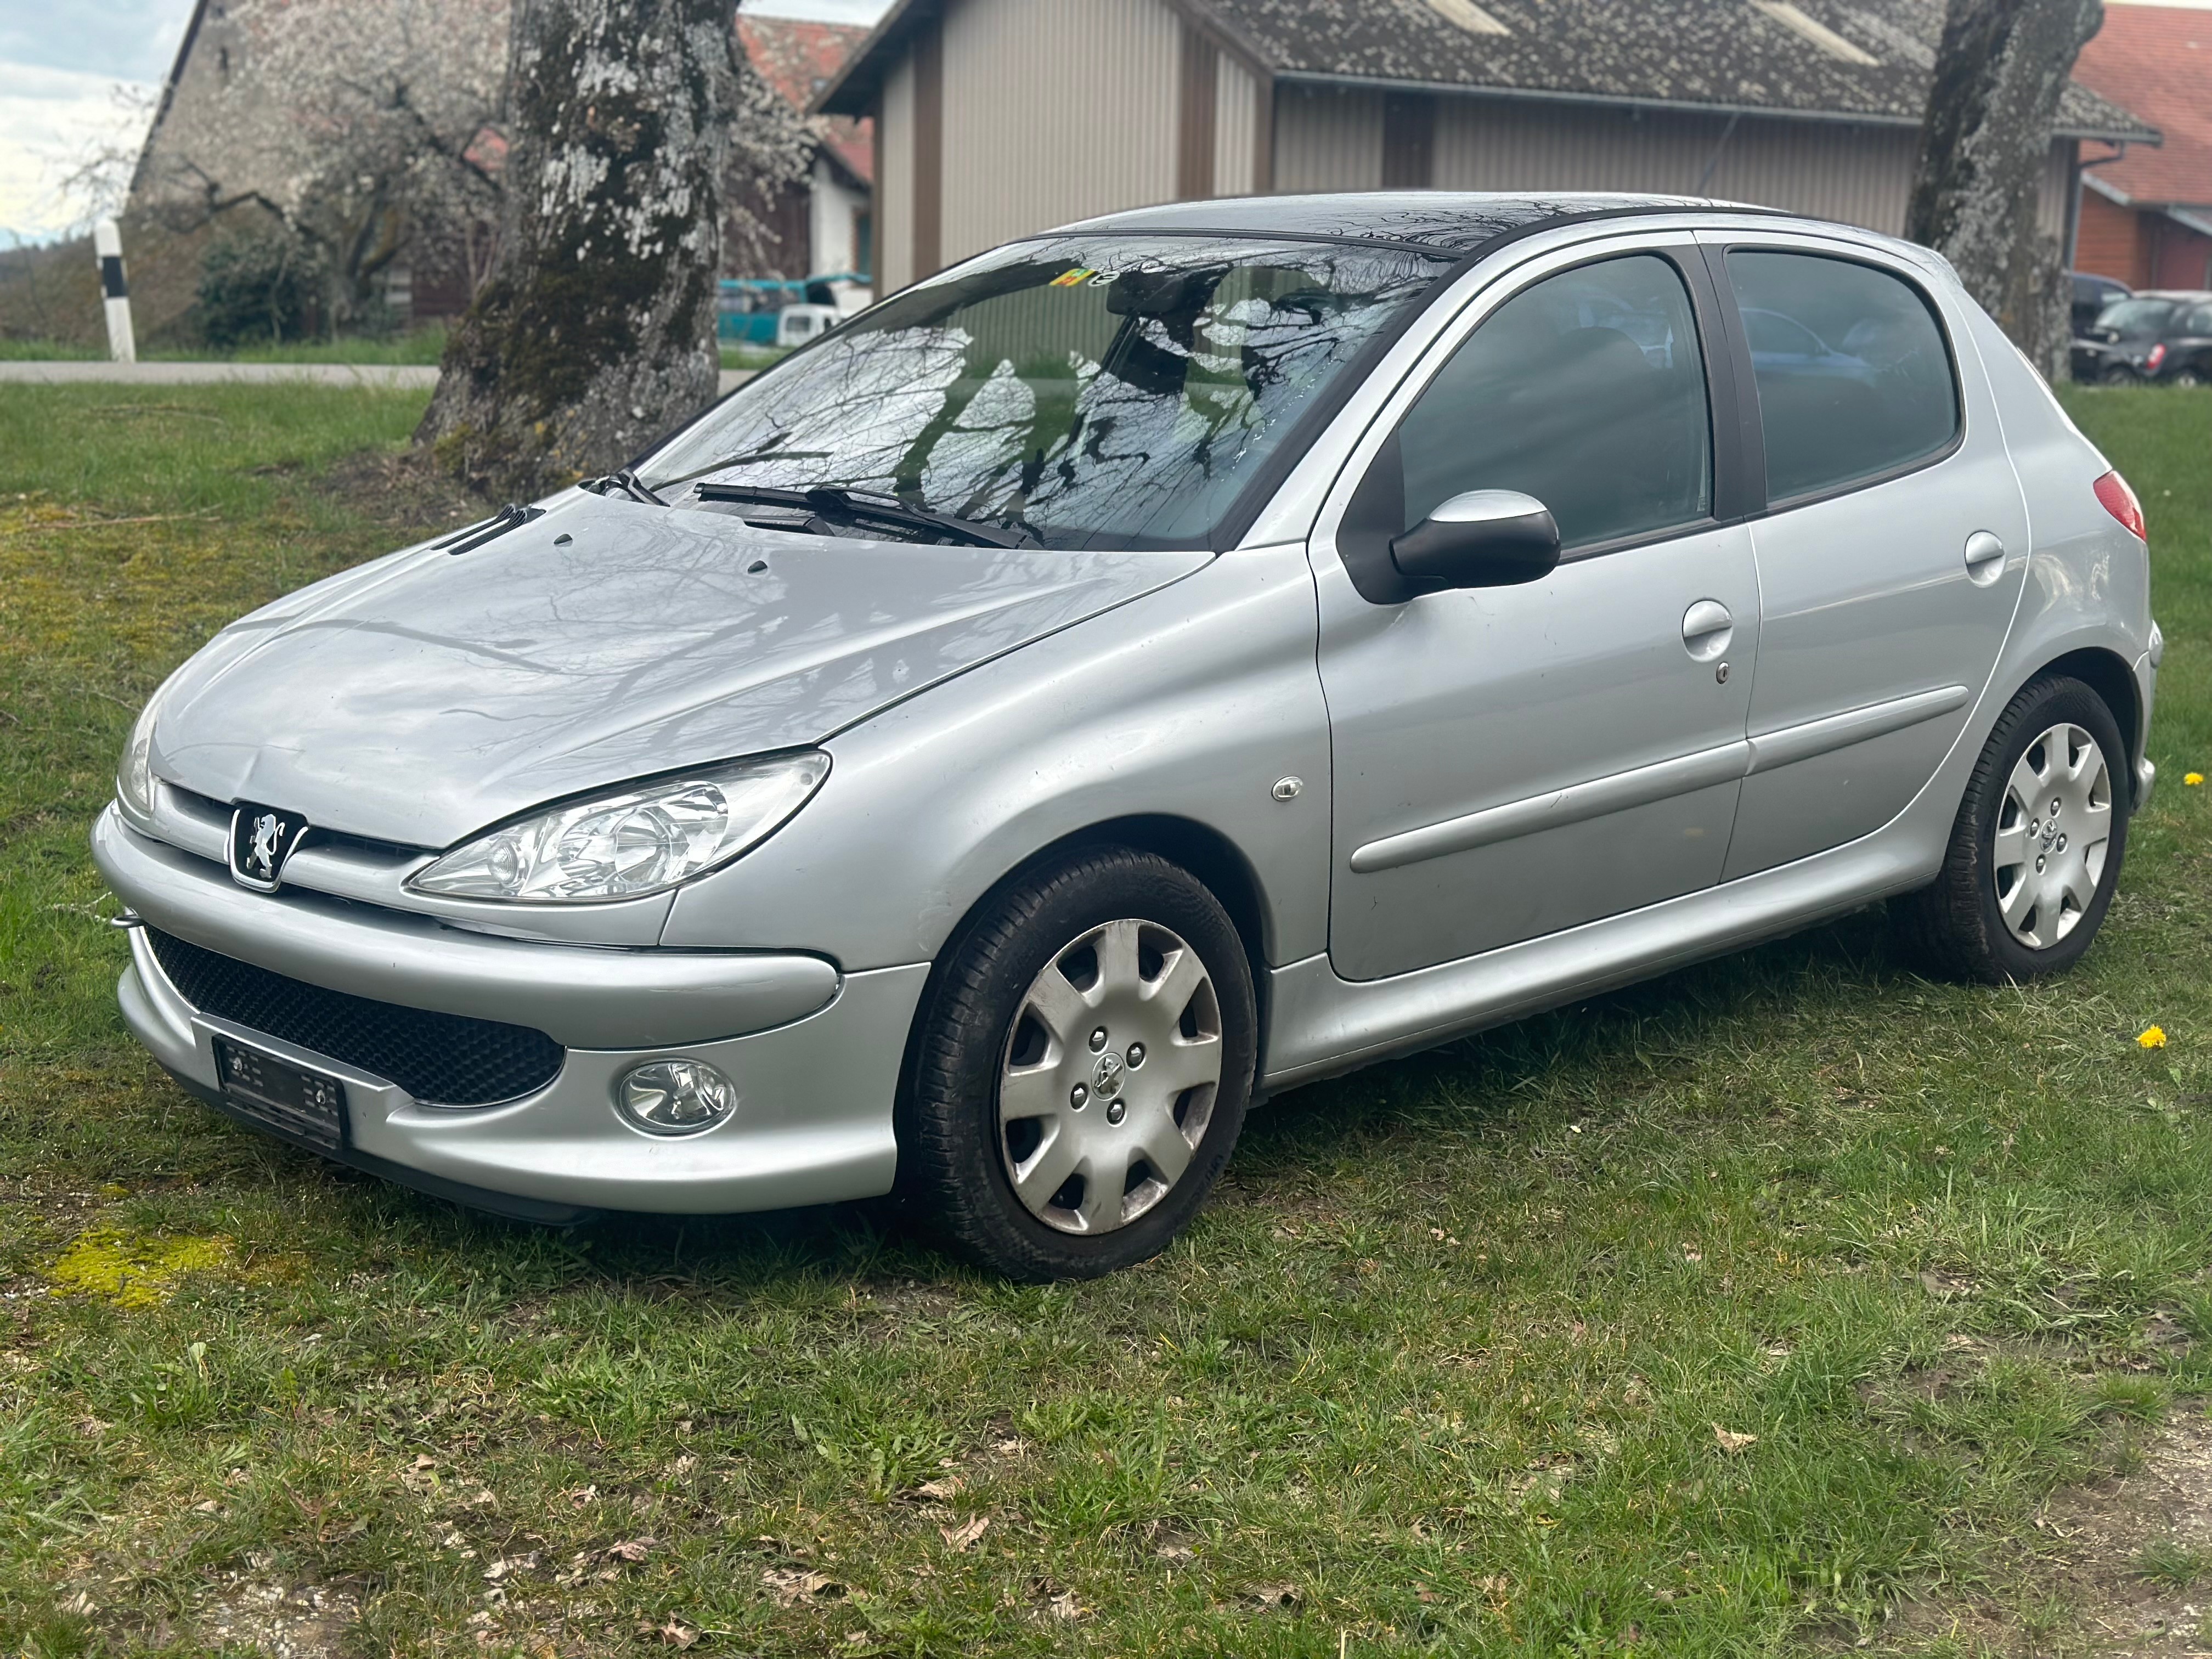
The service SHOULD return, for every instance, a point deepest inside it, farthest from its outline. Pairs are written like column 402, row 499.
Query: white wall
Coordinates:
column 832, row 207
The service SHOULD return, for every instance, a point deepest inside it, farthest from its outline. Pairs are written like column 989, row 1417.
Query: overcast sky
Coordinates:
column 70, row 71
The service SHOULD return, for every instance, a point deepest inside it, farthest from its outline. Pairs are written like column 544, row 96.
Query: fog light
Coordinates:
column 675, row 1097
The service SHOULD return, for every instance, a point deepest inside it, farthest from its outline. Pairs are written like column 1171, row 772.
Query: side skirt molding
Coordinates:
column 1323, row 1025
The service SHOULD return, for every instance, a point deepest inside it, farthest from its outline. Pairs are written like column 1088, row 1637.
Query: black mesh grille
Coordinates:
column 445, row 1058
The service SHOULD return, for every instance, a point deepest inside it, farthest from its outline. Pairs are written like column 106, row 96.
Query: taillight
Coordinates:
column 2120, row 501
column 2157, row 356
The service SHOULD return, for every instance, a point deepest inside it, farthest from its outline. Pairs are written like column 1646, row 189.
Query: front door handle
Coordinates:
column 1707, row 627
column 1985, row 557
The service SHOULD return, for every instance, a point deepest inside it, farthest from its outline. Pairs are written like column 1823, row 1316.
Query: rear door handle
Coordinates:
column 1985, row 558
column 1707, row 627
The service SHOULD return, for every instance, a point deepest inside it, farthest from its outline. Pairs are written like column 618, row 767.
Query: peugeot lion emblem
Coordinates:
column 261, row 839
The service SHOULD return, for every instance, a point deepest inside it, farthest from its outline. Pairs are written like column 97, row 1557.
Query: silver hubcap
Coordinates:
column 2051, row 834
column 1110, row 1076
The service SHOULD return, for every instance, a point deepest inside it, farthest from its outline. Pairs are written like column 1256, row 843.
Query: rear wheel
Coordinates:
column 1083, row 1059
column 2036, row 850
column 2189, row 377
column 2119, row 375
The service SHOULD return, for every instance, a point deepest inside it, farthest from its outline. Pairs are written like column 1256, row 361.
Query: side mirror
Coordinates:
column 1483, row 538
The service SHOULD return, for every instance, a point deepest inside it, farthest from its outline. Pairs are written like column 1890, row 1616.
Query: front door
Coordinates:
column 1891, row 555
column 1513, row 761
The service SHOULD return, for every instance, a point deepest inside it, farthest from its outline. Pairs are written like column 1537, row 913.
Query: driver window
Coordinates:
column 1586, row 391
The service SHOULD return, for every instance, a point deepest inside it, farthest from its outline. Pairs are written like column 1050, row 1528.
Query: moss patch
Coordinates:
column 135, row 1270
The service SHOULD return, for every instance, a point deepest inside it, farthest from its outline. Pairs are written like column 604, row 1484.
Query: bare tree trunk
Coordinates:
column 1983, row 143
column 596, row 330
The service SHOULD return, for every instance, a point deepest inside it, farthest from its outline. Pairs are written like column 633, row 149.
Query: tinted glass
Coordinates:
column 1587, row 392
column 2137, row 319
column 2198, row 321
column 1854, row 379
column 1094, row 392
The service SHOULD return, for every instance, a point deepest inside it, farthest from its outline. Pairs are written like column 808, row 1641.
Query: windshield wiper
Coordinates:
column 625, row 482
column 839, row 507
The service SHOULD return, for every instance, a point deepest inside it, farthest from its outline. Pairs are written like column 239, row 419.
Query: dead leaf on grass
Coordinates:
column 507, row 1564
column 959, row 1538
column 949, row 1486
column 678, row 1633
column 792, row 1585
column 1276, row 1598
column 1731, row 1442
column 631, row 1549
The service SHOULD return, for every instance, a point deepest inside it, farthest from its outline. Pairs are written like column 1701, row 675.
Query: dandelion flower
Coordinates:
column 2153, row 1038
column 2192, row 779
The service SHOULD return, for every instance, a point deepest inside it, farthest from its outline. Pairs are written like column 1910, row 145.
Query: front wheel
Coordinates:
column 1084, row 1058
column 2035, row 852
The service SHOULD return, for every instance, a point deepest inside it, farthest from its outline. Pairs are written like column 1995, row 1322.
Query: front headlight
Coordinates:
column 642, row 839
column 134, row 775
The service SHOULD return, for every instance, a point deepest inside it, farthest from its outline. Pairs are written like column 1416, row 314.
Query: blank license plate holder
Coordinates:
column 298, row 1103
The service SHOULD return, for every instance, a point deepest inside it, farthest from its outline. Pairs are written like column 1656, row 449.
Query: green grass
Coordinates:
column 420, row 346
column 753, row 357
column 1445, row 1368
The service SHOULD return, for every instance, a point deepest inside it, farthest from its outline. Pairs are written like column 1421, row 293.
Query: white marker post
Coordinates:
column 107, row 244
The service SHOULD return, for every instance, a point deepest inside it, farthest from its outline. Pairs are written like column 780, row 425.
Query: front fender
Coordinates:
column 1189, row 702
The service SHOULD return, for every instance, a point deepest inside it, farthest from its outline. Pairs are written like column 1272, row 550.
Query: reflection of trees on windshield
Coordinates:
column 1087, row 392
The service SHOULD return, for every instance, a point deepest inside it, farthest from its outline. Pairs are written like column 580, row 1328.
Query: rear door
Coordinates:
column 1894, row 545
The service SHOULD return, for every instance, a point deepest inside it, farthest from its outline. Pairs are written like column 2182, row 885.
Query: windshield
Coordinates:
column 2135, row 319
column 1086, row 391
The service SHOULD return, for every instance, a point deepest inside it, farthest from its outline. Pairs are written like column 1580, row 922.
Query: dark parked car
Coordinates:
column 2091, row 295
column 2163, row 335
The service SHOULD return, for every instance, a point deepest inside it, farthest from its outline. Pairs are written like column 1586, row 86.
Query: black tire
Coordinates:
column 1958, row 922
column 2190, row 377
column 953, row 1164
column 2120, row 374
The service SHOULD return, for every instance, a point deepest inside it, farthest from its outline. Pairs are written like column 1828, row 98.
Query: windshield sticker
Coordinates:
column 1072, row 278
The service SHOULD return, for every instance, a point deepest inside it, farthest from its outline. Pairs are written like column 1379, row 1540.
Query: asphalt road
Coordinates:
column 360, row 374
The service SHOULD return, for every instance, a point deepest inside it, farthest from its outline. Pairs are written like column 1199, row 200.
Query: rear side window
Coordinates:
column 1854, row 377
column 1586, row 391
column 2199, row 321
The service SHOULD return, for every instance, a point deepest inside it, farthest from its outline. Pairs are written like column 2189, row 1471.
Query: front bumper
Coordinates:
column 815, row 1085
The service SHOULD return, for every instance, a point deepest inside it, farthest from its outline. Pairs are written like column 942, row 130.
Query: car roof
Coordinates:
column 1434, row 220
column 2174, row 294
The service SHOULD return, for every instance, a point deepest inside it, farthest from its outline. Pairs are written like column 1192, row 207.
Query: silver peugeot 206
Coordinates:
column 1149, row 666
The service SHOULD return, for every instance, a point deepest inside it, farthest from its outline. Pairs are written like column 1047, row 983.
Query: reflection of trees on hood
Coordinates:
column 1062, row 412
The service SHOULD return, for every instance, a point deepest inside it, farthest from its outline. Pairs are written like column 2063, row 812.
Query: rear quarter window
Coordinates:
column 1855, row 379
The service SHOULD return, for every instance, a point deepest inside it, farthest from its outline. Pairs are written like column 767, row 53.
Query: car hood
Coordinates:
column 426, row 695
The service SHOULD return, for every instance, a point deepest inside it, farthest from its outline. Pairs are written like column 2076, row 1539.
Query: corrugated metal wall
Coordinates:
column 1858, row 174
column 893, row 206
column 1235, row 128
column 1055, row 110
column 1331, row 139
column 1328, row 138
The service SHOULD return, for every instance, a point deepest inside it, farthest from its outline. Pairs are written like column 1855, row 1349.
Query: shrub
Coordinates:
column 266, row 286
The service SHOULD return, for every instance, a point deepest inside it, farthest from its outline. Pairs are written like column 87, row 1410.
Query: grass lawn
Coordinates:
column 419, row 346
column 1724, row 1315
